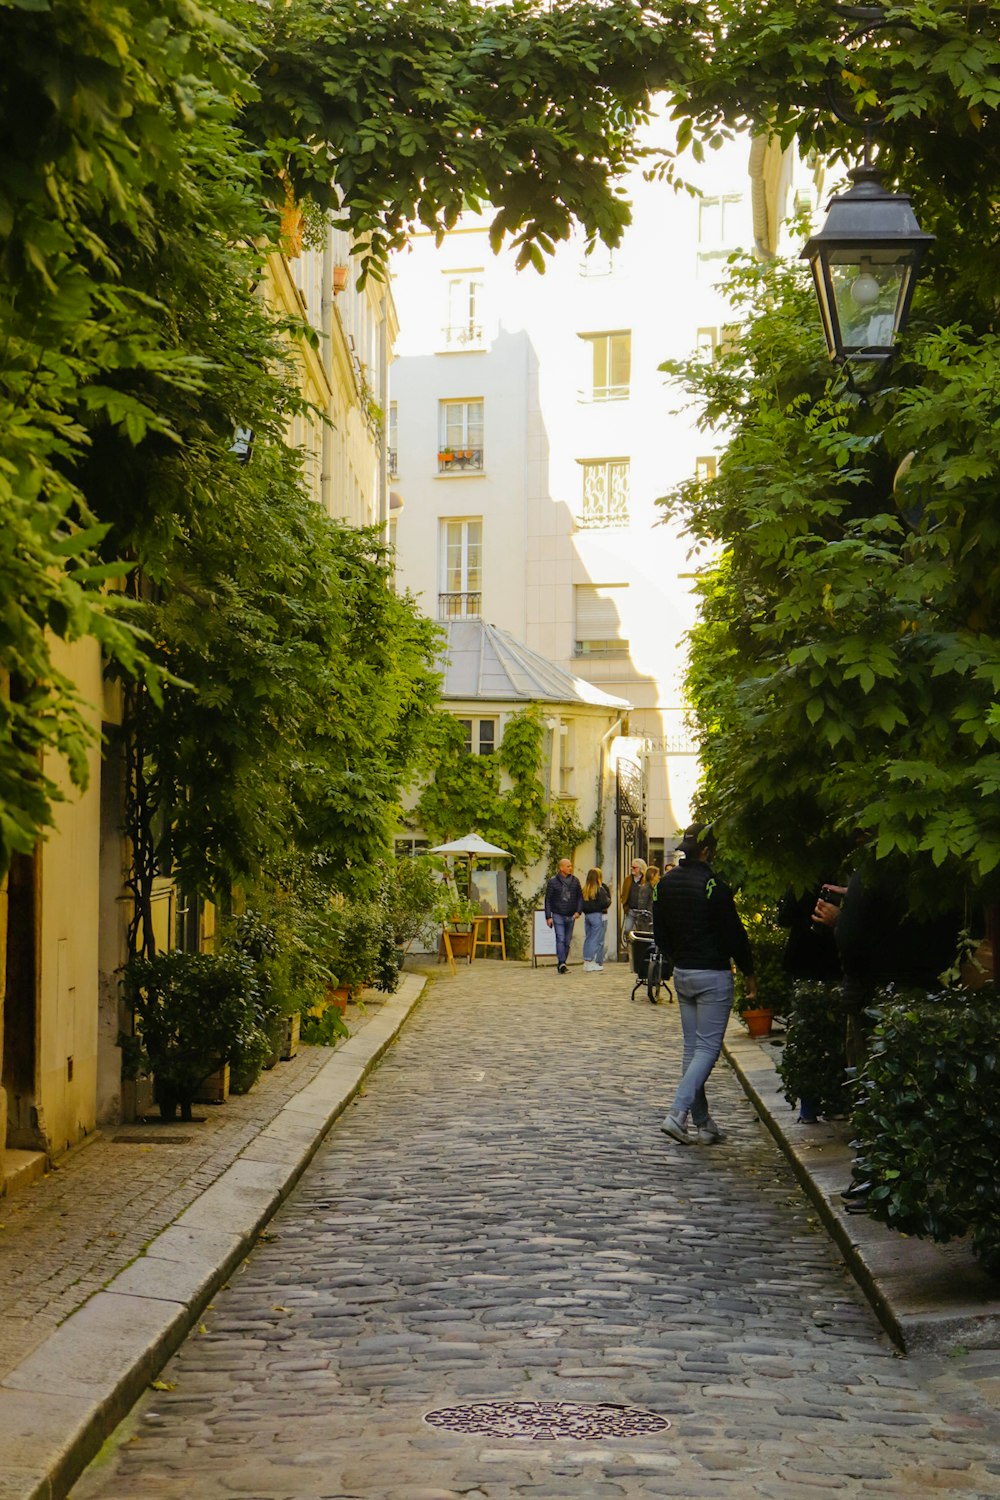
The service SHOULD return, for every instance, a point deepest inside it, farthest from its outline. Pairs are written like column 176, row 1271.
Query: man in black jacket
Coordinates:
column 697, row 925
column 563, row 906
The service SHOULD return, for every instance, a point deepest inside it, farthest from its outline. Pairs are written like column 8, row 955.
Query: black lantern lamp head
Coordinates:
column 864, row 262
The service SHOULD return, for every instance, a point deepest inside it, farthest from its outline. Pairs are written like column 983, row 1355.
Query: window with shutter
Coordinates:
column 599, row 629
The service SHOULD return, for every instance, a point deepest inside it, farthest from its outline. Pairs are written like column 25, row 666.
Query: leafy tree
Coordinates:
column 147, row 149
column 845, row 670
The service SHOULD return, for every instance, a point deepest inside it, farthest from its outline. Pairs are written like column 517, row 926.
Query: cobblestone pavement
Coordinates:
column 67, row 1235
column 499, row 1219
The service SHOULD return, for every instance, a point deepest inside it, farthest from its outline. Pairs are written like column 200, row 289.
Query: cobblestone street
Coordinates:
column 498, row 1218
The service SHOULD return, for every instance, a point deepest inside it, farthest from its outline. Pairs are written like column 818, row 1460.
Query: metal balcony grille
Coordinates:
column 459, row 606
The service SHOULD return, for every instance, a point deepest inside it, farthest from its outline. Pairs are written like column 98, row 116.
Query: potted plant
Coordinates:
column 773, row 983
column 458, row 924
column 194, row 1013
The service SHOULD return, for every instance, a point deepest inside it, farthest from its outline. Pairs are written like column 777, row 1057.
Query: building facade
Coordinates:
column 532, row 434
column 64, row 910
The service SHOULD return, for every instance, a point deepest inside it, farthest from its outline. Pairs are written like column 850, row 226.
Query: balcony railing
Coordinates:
column 463, row 336
column 606, row 393
column 393, row 456
column 460, row 606
column 450, row 459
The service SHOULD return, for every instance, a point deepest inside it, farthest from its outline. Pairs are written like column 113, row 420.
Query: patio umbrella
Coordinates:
column 471, row 844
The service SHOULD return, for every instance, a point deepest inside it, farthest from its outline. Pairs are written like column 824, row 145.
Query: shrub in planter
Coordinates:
column 257, row 939
column 812, row 1060
column 774, row 985
column 928, row 1116
column 194, row 1013
column 363, row 928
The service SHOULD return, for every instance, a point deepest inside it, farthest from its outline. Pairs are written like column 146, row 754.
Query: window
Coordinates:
column 706, row 468
column 711, row 342
column 599, row 630
column 462, row 570
column 602, row 261
column 480, row 736
column 719, row 226
column 409, row 848
column 610, row 366
column 392, row 441
column 464, row 328
column 566, row 741
column 461, row 437
column 706, row 342
column 605, row 492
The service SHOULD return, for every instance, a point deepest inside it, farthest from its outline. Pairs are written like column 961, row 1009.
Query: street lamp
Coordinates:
column 865, row 262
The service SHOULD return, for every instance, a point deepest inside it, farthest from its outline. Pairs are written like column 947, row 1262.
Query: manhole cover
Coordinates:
column 544, row 1421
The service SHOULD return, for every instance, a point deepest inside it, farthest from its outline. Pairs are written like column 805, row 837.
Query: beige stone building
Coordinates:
column 64, row 910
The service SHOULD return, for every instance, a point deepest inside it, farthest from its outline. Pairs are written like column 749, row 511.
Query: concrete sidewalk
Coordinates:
column 107, row 1264
column 927, row 1296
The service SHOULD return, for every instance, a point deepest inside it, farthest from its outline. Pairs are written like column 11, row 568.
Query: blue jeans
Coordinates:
column 595, row 925
column 563, row 929
column 705, row 997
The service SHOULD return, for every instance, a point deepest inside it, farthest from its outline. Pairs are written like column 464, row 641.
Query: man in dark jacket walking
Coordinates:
column 563, row 906
column 697, row 925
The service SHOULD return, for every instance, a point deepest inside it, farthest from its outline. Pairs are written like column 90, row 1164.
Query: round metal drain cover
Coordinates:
column 544, row 1421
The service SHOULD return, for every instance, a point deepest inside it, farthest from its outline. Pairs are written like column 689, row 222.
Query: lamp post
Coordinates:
column 865, row 262
column 866, row 258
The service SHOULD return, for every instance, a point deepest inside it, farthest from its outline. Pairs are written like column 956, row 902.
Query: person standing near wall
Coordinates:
column 596, row 900
column 563, row 906
column 636, row 897
column 697, row 924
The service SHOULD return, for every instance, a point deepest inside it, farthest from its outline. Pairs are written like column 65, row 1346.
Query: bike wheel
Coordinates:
column 654, row 978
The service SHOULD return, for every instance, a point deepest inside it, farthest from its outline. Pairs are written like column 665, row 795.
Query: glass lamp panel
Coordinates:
column 867, row 298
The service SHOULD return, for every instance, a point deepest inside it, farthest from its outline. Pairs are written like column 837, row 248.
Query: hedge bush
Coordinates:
column 813, row 1061
column 928, row 1117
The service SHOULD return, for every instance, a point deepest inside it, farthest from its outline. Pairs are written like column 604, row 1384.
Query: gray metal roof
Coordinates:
column 481, row 661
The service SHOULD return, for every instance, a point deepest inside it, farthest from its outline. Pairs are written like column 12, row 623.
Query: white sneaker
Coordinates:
column 588, row 967
column 598, row 968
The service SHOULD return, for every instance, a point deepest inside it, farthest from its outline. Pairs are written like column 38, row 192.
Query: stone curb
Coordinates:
column 60, row 1403
column 927, row 1297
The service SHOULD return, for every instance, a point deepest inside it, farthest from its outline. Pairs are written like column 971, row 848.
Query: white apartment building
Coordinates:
column 531, row 433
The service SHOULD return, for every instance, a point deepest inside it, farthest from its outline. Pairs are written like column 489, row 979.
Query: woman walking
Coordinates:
column 696, row 922
column 596, row 900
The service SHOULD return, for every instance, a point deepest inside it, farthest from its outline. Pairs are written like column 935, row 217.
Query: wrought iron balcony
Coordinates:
column 460, row 606
column 463, row 336
column 452, row 459
column 393, row 456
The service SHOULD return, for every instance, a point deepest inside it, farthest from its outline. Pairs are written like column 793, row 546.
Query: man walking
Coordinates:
column 696, row 923
column 563, row 906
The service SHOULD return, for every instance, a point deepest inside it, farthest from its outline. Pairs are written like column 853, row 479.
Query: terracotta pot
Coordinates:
column 338, row 997
column 757, row 1022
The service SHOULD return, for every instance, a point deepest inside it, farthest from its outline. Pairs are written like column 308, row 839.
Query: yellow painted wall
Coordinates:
column 69, row 911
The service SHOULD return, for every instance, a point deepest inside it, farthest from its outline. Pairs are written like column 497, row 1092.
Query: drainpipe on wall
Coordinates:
column 599, row 842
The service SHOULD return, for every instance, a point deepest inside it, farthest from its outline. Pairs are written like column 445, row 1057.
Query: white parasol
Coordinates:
column 472, row 844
